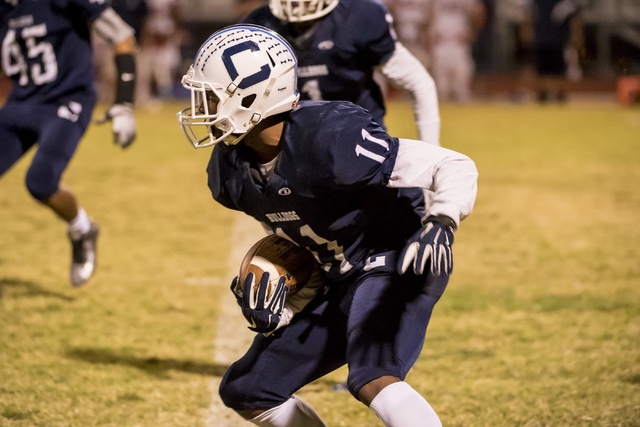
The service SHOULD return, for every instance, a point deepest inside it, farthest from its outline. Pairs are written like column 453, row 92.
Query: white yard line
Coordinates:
column 232, row 335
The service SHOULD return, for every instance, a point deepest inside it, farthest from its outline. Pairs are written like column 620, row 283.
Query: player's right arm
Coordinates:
column 405, row 71
column 451, row 175
column 110, row 26
column 363, row 154
column 394, row 61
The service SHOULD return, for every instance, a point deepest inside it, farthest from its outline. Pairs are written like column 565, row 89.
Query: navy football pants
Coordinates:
column 377, row 326
column 23, row 125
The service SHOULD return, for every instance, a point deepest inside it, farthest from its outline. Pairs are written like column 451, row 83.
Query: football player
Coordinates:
column 554, row 31
column 453, row 25
column 46, row 51
column 327, row 176
column 339, row 45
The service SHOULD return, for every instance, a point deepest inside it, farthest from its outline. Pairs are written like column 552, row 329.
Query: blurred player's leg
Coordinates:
column 443, row 66
column 82, row 231
column 10, row 149
column 462, row 73
column 60, row 132
column 83, row 234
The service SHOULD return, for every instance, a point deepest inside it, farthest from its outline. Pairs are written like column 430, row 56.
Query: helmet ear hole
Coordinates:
column 247, row 101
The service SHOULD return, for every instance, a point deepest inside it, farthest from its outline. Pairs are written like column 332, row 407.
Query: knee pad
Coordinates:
column 242, row 393
column 40, row 184
column 43, row 176
column 232, row 393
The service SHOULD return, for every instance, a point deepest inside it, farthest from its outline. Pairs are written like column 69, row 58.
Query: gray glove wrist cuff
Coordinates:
column 442, row 220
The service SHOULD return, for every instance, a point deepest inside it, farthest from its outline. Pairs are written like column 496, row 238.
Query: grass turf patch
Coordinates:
column 539, row 326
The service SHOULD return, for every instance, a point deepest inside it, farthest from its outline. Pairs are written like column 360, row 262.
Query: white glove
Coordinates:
column 123, row 123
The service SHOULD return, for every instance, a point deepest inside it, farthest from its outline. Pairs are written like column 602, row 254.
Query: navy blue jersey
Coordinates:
column 336, row 59
column 328, row 191
column 46, row 47
column 133, row 12
column 551, row 30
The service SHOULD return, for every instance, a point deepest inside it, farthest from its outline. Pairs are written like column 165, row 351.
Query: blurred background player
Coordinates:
column 452, row 27
column 553, row 30
column 340, row 44
column 328, row 177
column 160, row 51
column 244, row 7
column 410, row 17
column 52, row 100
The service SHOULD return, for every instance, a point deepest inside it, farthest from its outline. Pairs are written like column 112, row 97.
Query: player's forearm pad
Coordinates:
column 126, row 83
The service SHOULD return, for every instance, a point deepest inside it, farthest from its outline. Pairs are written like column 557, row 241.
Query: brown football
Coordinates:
column 279, row 257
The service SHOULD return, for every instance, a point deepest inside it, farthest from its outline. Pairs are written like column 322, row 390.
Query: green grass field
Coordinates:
column 540, row 325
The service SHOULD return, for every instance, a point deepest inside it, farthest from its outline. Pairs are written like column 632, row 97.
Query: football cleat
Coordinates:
column 340, row 387
column 83, row 261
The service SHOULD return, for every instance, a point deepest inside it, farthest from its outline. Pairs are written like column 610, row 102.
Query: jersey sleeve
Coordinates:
column 90, row 9
column 405, row 71
column 220, row 165
column 259, row 16
column 361, row 152
column 451, row 175
column 373, row 31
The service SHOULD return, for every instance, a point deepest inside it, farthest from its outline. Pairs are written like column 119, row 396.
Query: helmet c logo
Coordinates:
column 251, row 80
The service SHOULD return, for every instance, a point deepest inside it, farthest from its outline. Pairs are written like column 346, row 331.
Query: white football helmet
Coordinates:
column 241, row 75
column 301, row 10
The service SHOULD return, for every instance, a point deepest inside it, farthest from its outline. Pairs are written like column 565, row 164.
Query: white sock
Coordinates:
column 295, row 412
column 399, row 405
column 80, row 224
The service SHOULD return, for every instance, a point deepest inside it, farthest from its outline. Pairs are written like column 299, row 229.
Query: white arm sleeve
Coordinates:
column 406, row 72
column 111, row 27
column 452, row 176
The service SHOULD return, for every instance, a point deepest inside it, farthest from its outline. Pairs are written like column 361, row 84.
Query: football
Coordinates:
column 279, row 257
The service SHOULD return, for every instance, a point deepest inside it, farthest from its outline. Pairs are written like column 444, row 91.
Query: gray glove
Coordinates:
column 123, row 122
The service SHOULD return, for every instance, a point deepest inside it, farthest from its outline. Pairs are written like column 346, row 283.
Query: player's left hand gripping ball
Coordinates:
column 262, row 306
column 431, row 242
column 123, row 124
